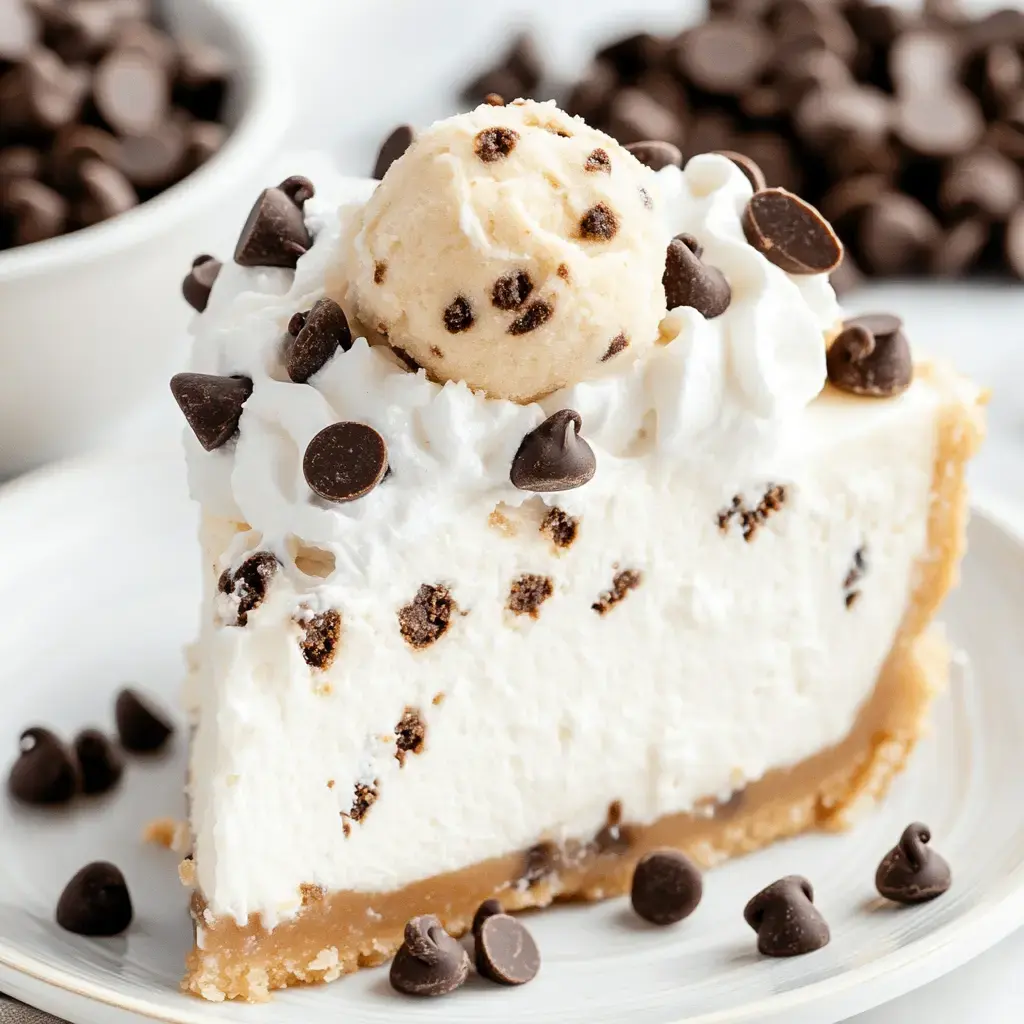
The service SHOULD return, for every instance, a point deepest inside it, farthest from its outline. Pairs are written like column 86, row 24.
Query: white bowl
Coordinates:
column 93, row 324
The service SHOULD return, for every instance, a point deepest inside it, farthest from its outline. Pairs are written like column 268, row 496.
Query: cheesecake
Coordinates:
column 551, row 513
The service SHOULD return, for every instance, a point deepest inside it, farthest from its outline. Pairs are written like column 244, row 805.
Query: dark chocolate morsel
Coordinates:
column 656, row 155
column 345, row 461
column 100, row 762
column 199, row 281
column 486, row 909
column 912, row 872
column 553, row 457
column 212, row 405
column 275, row 232
column 790, row 233
column 46, row 771
column 690, row 282
column 317, row 334
column 505, row 951
column 871, row 356
column 95, row 902
column 430, row 962
column 786, row 920
column 667, row 887
column 142, row 727
column 393, row 147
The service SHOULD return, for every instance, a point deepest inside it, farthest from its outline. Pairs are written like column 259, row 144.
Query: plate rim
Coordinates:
column 947, row 948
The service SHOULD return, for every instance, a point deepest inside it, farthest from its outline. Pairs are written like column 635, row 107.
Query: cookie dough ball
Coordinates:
column 514, row 248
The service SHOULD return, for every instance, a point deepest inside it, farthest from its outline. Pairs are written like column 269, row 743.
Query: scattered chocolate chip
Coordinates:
column 622, row 583
column 871, row 356
column 536, row 314
column 46, row 772
column 486, row 909
column 394, row 146
column 275, row 233
column 667, row 887
column 599, row 224
column 320, row 637
column 912, row 872
column 95, row 902
column 791, row 233
column 411, row 735
column 505, row 951
column 751, row 171
column 345, row 461
column 458, row 316
column 212, row 405
column 426, row 619
column 430, row 962
column 599, row 162
column 786, row 920
column 30, row 211
column 618, row 344
column 494, row 144
column 365, row 797
column 104, row 193
column 199, row 282
column 690, row 282
column 560, row 527
column 553, row 457
column 142, row 727
column 316, row 335
column 100, row 761
column 249, row 583
column 528, row 593
column 511, row 290
column 131, row 91
column 656, row 155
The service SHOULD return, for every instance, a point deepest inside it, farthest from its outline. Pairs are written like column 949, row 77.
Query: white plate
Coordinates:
column 98, row 588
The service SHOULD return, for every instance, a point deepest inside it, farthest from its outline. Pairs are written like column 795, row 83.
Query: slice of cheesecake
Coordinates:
column 456, row 647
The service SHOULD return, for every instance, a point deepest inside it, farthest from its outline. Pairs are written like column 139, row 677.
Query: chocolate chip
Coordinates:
column 131, row 91
column 394, row 146
column 365, row 797
column 430, row 962
column 320, row 637
column 598, row 162
column 724, row 57
column 45, row 772
column 536, row 314
column 791, row 233
column 30, row 211
column 871, row 356
column 528, row 592
column 505, row 951
column 426, row 619
column 494, row 144
column 667, row 887
column 960, row 247
column 560, row 527
column 345, row 461
column 20, row 162
column 553, row 457
column 486, row 909
column 751, row 171
column 897, row 235
column 249, row 583
column 983, row 182
column 410, row 735
column 142, row 727
column 100, row 761
column 199, row 282
column 656, row 155
column 316, row 335
column 511, row 290
column 212, row 405
column 912, row 872
column 19, row 30
column 618, row 344
column 613, row 837
column 622, row 583
column 76, row 143
column 939, row 124
column 95, row 902
column 152, row 160
column 106, row 192
column 41, row 94
column 690, row 282
column 599, row 224
column 275, row 233
column 203, row 71
column 458, row 315
column 539, row 863
column 786, row 920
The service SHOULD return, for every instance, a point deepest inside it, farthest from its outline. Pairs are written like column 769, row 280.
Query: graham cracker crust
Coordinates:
column 338, row 933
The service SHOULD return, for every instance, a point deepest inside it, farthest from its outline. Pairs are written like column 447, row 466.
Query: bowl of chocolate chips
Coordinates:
column 129, row 130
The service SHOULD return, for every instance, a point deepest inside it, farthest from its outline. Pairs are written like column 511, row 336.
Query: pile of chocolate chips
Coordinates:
column 906, row 129
column 100, row 109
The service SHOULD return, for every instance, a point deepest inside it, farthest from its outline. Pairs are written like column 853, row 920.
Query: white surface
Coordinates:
column 129, row 550
column 92, row 323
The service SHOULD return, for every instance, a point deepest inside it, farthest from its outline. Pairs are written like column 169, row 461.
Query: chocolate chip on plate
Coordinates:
column 786, row 920
column 316, row 335
column 430, row 962
column 275, row 233
column 131, row 90
column 95, row 902
column 199, row 282
column 505, row 951
column 790, row 233
column 912, row 872
column 691, row 282
column 393, row 147
column 345, row 461
column 871, row 356
column 656, row 155
column 141, row 726
column 212, row 405
column 553, row 457
column 46, row 771
column 667, row 887
column 100, row 761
